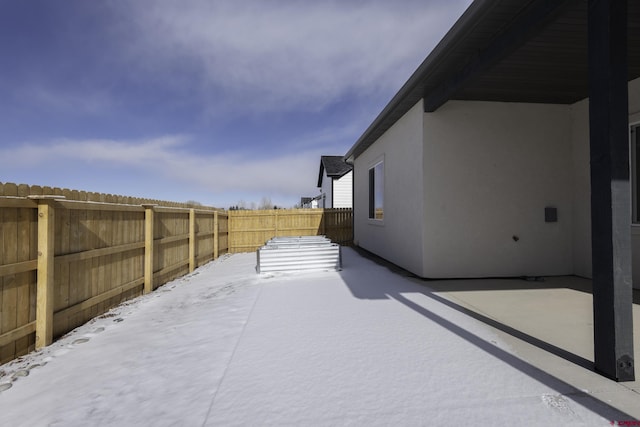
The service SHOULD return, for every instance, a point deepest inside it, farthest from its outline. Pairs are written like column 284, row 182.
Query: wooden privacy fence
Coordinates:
column 69, row 256
column 249, row 230
column 65, row 261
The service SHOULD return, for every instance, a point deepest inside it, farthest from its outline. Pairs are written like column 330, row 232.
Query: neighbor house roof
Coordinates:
column 335, row 166
column 508, row 50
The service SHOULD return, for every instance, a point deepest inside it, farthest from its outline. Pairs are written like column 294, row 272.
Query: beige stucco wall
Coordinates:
column 398, row 238
column 582, row 186
column 581, row 189
column 462, row 181
column 634, row 119
column 491, row 168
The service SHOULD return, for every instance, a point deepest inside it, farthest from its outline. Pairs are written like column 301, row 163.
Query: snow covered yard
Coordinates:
column 224, row 346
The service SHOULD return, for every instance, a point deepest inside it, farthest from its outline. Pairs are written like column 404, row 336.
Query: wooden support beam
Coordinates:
column 192, row 240
column 610, row 189
column 216, row 235
column 45, row 278
column 148, row 247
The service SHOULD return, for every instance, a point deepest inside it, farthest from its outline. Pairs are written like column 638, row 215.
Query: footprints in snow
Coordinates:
column 18, row 374
column 21, row 371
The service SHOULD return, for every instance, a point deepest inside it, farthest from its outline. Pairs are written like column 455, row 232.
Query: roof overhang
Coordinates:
column 532, row 51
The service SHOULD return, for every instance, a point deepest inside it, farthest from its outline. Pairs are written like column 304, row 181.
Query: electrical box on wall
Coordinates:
column 550, row 214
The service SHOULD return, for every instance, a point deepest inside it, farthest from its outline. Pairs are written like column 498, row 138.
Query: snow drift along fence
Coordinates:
column 68, row 256
column 249, row 230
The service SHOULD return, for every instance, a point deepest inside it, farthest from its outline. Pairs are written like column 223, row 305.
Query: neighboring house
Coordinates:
column 507, row 147
column 335, row 181
column 309, row 202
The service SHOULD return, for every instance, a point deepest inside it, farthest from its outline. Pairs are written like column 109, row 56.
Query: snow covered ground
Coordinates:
column 225, row 347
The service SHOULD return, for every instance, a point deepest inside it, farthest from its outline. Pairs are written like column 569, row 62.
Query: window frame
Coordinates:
column 376, row 175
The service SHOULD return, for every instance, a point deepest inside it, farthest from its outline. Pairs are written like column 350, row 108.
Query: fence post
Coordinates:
column 45, row 273
column 148, row 247
column 216, row 235
column 275, row 223
column 192, row 240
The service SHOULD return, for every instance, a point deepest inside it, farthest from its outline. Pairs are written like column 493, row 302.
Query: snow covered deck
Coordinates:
column 363, row 346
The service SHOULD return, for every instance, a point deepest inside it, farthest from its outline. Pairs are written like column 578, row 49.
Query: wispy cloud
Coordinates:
column 288, row 80
column 282, row 55
column 165, row 163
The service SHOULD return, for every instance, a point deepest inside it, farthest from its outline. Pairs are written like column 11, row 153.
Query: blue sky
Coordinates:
column 217, row 101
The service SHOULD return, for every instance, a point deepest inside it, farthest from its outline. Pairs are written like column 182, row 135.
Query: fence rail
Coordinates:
column 69, row 256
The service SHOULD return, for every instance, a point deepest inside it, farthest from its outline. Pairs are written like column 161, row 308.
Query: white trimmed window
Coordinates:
column 376, row 191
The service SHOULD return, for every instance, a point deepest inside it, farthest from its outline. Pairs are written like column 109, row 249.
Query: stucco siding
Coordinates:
column 342, row 189
column 398, row 238
column 634, row 118
column 490, row 170
column 582, row 187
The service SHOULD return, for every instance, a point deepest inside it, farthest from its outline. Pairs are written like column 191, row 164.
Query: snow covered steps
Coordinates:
column 299, row 253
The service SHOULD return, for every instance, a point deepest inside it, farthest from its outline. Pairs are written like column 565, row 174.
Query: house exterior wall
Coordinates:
column 582, row 189
column 490, row 169
column 582, row 201
column 326, row 191
column 486, row 172
column 582, row 183
column 634, row 118
column 336, row 192
column 342, row 189
column 398, row 237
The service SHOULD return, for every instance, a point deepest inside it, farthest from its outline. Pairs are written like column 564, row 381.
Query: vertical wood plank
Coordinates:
column 8, row 246
column 148, row 247
column 106, row 233
column 216, row 236
column 93, row 224
column 118, row 263
column 23, row 280
column 74, row 266
column 192, row 240
column 44, row 299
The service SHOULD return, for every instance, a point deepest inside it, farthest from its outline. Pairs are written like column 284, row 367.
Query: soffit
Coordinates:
column 544, row 63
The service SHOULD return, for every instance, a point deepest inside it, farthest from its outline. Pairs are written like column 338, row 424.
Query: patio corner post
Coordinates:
column 148, row 247
column 610, row 189
column 45, row 272
column 192, row 240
